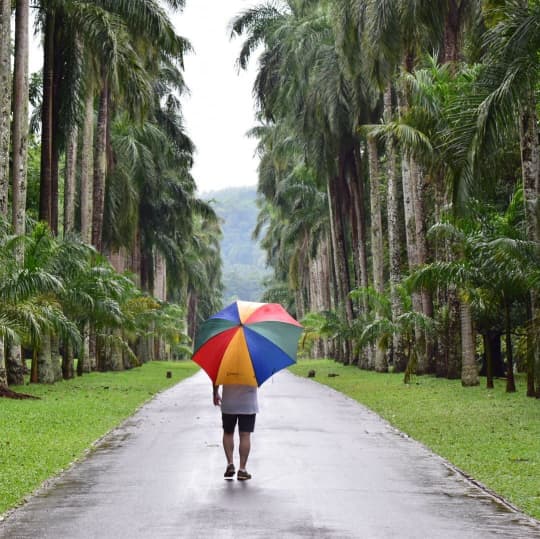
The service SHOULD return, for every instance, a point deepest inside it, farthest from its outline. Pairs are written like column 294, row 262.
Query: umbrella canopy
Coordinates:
column 246, row 343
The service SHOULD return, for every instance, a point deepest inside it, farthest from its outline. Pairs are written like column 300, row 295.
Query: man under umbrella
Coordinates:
column 239, row 348
column 238, row 405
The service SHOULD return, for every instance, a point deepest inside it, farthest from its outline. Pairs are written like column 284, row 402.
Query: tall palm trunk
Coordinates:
column 510, row 382
column 419, row 190
column 451, row 50
column 469, row 370
column 192, row 303
column 46, row 373
column 340, row 257
column 376, row 240
column 20, row 155
column 69, row 181
column 3, row 370
column 359, row 237
column 87, row 353
column 409, row 191
column 47, row 120
column 55, row 145
column 530, row 167
column 160, row 292
column 100, row 168
column 356, row 183
column 5, row 102
column 20, row 117
column 398, row 344
column 423, row 298
column 87, row 176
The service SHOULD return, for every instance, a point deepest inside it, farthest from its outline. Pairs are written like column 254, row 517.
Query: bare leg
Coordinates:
column 228, row 446
column 245, row 446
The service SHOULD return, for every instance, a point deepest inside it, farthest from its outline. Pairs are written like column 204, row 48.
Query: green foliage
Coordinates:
column 62, row 284
column 492, row 436
column 42, row 437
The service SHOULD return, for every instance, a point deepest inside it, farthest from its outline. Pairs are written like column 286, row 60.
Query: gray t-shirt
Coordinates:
column 239, row 399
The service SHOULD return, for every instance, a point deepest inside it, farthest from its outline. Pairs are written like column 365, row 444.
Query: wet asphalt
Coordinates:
column 322, row 465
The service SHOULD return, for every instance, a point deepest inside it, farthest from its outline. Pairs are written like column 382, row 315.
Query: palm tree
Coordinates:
column 460, row 273
column 5, row 102
column 296, row 35
column 19, row 142
column 512, row 77
column 20, row 116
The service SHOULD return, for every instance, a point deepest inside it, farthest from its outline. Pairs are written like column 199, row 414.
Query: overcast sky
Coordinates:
column 219, row 111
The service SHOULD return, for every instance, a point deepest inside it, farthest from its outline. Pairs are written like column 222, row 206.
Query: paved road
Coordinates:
column 322, row 465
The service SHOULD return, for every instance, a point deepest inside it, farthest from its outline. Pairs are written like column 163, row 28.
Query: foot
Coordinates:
column 229, row 472
column 243, row 475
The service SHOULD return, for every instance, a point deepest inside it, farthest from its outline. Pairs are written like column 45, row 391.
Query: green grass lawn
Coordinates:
column 489, row 434
column 38, row 438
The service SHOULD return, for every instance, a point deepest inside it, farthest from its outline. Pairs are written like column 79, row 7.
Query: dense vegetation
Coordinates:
column 106, row 252
column 243, row 259
column 399, row 179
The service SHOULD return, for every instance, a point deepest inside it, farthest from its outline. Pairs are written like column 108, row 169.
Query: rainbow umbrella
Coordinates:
column 246, row 343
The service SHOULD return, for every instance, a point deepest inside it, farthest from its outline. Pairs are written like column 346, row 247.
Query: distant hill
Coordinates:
column 244, row 267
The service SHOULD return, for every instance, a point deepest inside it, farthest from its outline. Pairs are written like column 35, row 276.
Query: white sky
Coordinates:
column 220, row 109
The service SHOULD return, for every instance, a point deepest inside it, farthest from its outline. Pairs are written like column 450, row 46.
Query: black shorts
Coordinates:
column 246, row 423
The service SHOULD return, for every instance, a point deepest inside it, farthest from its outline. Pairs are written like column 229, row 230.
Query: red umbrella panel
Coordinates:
column 246, row 343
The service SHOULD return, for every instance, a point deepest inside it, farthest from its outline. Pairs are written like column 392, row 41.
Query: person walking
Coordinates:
column 239, row 405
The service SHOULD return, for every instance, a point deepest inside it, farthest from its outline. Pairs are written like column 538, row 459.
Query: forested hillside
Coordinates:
column 243, row 260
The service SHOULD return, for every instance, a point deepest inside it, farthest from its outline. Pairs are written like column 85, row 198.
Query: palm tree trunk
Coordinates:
column 451, row 50
column 69, row 182
column 45, row 370
column 56, row 358
column 160, row 277
column 531, row 392
column 394, row 248
column 353, row 168
column 15, row 365
column 340, row 258
column 377, row 249
column 192, row 304
column 488, row 352
column 3, row 370
column 418, row 187
column 450, row 348
column 87, row 183
column 469, row 370
column 112, row 354
column 510, row 382
column 45, row 187
column 67, row 362
column 160, row 292
column 14, row 360
column 55, row 145
column 84, row 361
column 530, row 167
column 100, row 169
column 20, row 117
column 5, row 102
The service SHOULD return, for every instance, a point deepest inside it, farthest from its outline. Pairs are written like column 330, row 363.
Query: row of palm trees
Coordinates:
column 399, row 178
column 113, row 187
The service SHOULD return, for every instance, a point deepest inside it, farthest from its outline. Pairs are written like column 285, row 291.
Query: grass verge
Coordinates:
column 489, row 434
column 39, row 438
